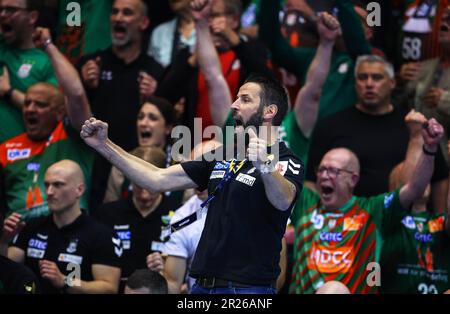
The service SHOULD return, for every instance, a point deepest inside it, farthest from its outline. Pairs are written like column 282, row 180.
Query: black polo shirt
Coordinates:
column 116, row 100
column 140, row 236
column 16, row 278
column 84, row 242
column 241, row 240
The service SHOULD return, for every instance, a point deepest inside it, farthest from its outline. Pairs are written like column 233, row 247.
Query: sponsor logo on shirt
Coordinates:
column 15, row 154
column 293, row 167
column 121, row 227
column 217, row 174
column 436, row 225
column 157, row 246
column 343, row 68
column 24, row 70
column 246, row 179
column 43, row 237
column 330, row 236
column 37, row 244
column 107, row 76
column 355, row 223
column 409, row 223
column 331, row 260
column 69, row 258
column 34, row 167
column 332, row 223
column 423, row 237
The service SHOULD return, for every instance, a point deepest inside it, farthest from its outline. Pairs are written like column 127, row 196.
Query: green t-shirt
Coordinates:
column 339, row 245
column 24, row 163
column 25, row 67
column 292, row 135
column 416, row 256
column 92, row 35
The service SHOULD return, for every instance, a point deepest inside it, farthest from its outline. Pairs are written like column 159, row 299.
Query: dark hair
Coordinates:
column 1, row 224
column 164, row 106
column 272, row 92
column 146, row 278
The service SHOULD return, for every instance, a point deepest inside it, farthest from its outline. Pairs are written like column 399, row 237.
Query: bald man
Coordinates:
column 52, row 126
column 68, row 250
column 338, row 235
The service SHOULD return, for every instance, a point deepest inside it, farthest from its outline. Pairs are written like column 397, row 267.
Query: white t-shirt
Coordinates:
column 183, row 243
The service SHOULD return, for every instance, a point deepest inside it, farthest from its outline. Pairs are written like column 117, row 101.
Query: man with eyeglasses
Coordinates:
column 339, row 235
column 51, row 119
column 21, row 64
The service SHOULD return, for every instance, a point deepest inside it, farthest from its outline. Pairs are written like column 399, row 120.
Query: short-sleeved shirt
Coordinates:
column 25, row 67
column 183, row 243
column 140, row 236
column 416, row 256
column 241, row 240
column 338, row 245
column 23, row 164
column 16, row 278
column 84, row 242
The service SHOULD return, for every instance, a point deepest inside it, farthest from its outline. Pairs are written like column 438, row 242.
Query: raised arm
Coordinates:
column 7, row 92
column 77, row 104
column 95, row 134
column 208, row 60
column 415, row 187
column 414, row 120
column 307, row 102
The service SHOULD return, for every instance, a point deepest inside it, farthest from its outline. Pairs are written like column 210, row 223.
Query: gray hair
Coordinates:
column 388, row 68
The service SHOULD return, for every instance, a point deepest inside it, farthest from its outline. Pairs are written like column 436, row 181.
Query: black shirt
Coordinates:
column 84, row 242
column 379, row 141
column 140, row 236
column 241, row 240
column 16, row 278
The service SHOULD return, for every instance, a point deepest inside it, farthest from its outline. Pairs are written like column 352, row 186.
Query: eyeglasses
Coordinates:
column 332, row 171
column 11, row 10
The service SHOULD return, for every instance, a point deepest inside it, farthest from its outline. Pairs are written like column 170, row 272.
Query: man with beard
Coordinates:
column 50, row 135
column 22, row 65
column 250, row 199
